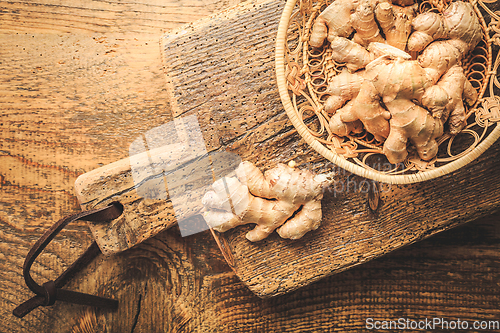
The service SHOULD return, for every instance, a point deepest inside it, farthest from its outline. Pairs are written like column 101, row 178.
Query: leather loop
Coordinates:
column 49, row 292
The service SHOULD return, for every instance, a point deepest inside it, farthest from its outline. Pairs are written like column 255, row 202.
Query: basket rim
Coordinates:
column 341, row 161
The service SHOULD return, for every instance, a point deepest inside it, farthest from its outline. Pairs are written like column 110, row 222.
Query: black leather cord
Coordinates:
column 51, row 291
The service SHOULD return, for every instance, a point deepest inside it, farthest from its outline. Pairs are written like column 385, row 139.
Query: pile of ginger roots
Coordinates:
column 399, row 100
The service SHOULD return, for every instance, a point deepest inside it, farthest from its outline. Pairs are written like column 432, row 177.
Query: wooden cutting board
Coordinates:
column 221, row 70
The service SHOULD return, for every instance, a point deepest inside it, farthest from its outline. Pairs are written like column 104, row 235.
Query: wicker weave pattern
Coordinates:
column 303, row 74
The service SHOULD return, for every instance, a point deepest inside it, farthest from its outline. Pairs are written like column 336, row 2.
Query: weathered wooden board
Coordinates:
column 158, row 188
column 222, row 71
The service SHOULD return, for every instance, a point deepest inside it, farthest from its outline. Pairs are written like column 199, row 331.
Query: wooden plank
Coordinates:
column 222, row 70
column 104, row 16
column 79, row 82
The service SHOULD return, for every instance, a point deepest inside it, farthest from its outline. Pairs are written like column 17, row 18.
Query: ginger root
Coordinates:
column 365, row 108
column 445, row 99
column 354, row 55
column 401, row 119
column 334, row 21
column 395, row 22
column 363, row 21
column 396, row 99
column 283, row 199
column 458, row 22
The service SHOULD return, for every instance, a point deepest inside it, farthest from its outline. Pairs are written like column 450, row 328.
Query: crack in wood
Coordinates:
column 136, row 317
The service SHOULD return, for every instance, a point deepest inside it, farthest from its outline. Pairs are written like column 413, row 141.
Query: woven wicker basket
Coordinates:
column 302, row 72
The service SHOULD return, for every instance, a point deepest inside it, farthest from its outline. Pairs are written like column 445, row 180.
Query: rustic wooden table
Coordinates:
column 79, row 81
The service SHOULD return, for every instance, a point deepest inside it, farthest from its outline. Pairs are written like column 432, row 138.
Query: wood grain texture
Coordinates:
column 78, row 83
column 81, row 109
column 105, row 16
column 221, row 70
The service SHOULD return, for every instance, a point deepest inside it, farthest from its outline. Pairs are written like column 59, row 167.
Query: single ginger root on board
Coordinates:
column 284, row 199
column 398, row 100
